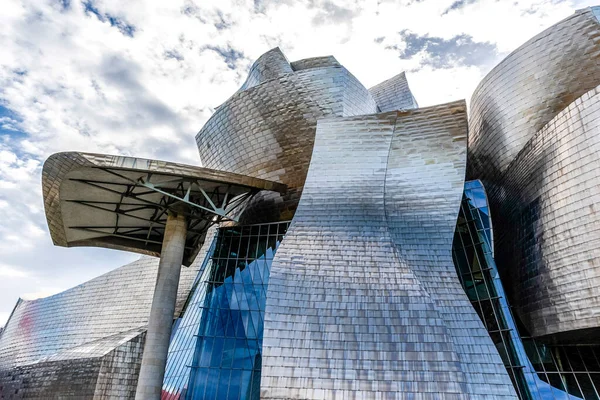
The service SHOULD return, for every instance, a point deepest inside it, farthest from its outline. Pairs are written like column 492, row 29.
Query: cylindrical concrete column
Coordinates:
column 160, row 322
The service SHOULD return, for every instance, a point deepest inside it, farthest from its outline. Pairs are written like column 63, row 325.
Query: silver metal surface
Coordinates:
column 115, row 302
column 534, row 142
column 393, row 94
column 267, row 129
column 538, row 370
column 270, row 65
column 85, row 342
column 363, row 298
column 105, row 369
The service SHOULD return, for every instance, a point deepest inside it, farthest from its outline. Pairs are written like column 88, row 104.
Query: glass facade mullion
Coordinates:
column 574, row 375
column 224, row 315
column 594, row 387
column 489, row 294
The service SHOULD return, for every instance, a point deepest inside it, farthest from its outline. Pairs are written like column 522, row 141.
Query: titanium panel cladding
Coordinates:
column 270, row 65
column 556, row 253
column 529, row 87
column 423, row 191
column 533, row 142
column 109, row 304
column 363, row 299
column 104, row 369
column 393, row 94
column 539, row 371
column 267, row 130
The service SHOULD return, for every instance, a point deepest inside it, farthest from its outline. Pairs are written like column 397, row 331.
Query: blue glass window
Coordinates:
column 223, row 359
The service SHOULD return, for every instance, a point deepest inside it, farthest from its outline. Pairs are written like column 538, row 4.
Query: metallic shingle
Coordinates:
column 533, row 142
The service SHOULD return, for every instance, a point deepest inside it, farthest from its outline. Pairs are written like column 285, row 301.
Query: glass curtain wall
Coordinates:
column 185, row 334
column 538, row 371
column 216, row 351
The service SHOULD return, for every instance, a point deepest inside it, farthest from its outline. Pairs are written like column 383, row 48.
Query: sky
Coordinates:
column 140, row 78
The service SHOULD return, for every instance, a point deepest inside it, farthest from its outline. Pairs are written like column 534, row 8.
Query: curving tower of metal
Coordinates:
column 266, row 129
column 363, row 298
column 534, row 141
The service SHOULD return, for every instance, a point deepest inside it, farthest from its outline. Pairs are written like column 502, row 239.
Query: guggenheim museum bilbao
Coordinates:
column 340, row 242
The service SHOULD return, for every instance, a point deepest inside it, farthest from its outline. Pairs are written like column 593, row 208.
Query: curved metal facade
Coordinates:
column 104, row 369
column 529, row 87
column 539, row 370
column 533, row 142
column 363, row 299
column 423, row 191
column 267, row 129
column 270, row 65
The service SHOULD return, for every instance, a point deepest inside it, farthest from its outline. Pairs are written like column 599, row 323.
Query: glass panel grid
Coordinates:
column 538, row 371
column 227, row 359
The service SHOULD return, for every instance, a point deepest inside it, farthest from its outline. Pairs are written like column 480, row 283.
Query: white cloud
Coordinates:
column 8, row 271
column 4, row 317
column 69, row 80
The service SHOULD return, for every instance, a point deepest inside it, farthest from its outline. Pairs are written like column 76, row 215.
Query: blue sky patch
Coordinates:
column 123, row 27
column 9, row 124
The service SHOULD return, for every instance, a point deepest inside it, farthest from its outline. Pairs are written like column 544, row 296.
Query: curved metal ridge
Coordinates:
column 533, row 141
column 274, row 64
column 270, row 65
column 423, row 190
column 268, row 130
column 363, row 295
column 516, row 98
column 550, row 227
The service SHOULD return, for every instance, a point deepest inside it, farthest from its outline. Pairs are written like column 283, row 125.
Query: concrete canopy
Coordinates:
column 123, row 202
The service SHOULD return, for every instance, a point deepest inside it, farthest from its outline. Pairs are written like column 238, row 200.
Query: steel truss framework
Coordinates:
column 138, row 200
